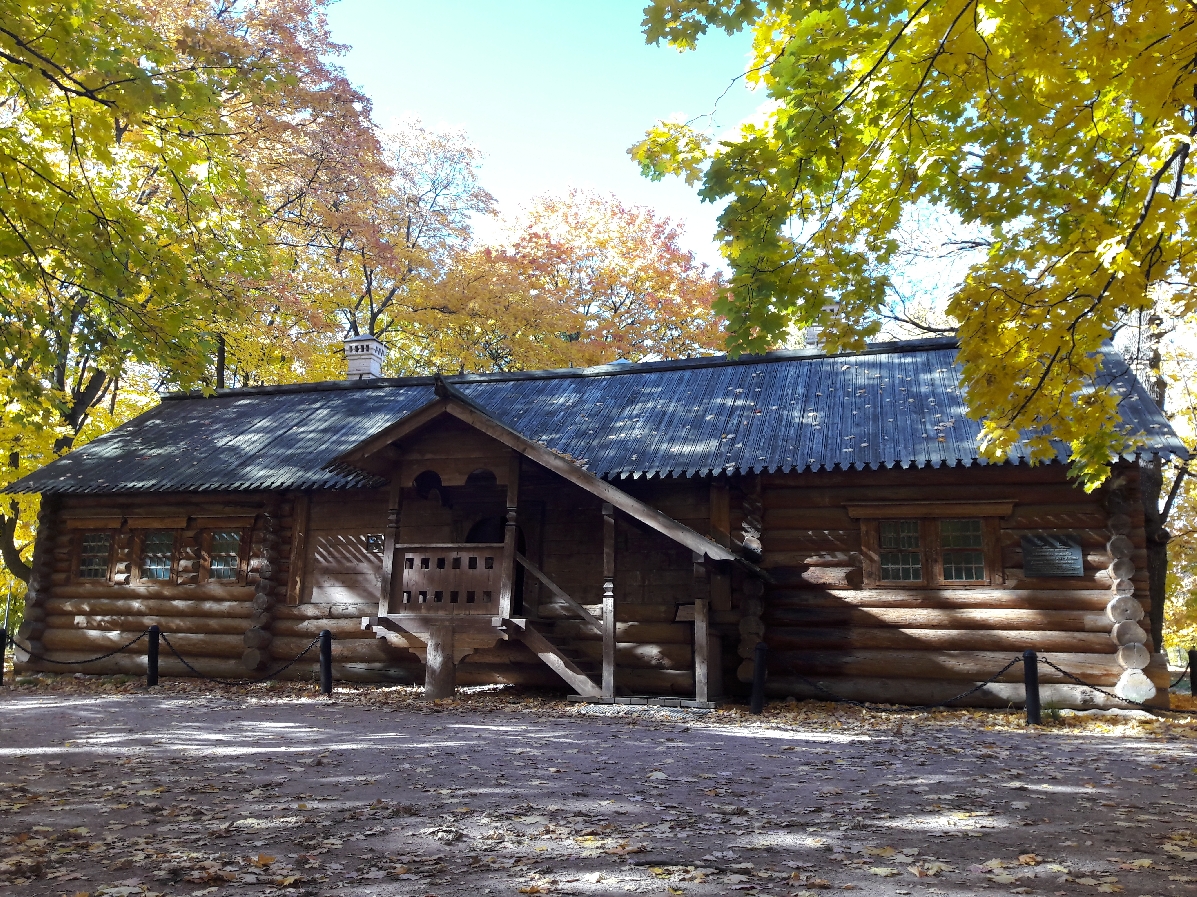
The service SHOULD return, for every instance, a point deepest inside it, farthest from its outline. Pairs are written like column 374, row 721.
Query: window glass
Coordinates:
column 158, row 555
column 93, row 556
column 901, row 555
column 225, row 555
column 962, row 543
column 374, row 543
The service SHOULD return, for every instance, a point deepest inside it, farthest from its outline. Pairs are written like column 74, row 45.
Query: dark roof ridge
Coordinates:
column 603, row 370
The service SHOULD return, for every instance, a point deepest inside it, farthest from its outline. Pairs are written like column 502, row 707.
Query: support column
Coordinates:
column 390, row 540
column 507, row 583
column 608, row 601
column 440, row 670
column 702, row 647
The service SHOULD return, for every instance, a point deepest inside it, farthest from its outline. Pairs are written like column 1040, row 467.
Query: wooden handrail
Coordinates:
column 556, row 590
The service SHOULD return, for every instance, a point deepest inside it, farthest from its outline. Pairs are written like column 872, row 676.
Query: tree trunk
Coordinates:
column 1151, row 487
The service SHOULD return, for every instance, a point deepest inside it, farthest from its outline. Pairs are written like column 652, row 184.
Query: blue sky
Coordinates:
column 553, row 93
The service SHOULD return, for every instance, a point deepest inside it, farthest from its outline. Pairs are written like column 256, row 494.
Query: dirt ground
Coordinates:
column 109, row 789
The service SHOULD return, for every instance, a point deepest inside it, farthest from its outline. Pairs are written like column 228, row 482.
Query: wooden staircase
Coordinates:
column 581, row 673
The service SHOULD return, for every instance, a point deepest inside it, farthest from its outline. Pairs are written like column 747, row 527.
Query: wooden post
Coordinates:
column 507, row 584
column 440, row 673
column 720, row 512
column 608, row 601
column 390, row 541
column 1030, row 676
column 325, row 662
column 299, row 548
column 151, row 657
column 760, row 658
column 702, row 646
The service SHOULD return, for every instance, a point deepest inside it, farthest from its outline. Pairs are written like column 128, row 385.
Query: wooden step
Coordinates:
column 559, row 660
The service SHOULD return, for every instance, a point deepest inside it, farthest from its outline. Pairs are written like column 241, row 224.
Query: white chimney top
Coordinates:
column 365, row 355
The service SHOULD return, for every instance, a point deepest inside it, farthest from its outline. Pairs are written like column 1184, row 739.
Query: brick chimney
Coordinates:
column 364, row 356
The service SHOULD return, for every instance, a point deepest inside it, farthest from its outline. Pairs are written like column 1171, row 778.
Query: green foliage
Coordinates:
column 1060, row 127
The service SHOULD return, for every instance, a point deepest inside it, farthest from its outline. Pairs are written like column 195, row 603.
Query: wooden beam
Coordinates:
column 702, row 647
column 720, row 512
column 390, row 540
column 507, row 582
column 633, row 507
column 559, row 593
column 1003, row 508
column 299, row 548
column 608, row 600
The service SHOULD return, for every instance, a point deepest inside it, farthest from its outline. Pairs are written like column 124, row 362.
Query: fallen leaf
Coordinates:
column 883, row 871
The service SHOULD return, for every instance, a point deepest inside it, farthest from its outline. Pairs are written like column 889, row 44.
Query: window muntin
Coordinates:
column 901, row 551
column 94, row 551
column 224, row 555
column 962, row 550
column 158, row 555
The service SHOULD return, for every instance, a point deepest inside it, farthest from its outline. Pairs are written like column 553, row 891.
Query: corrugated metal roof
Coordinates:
column 896, row 404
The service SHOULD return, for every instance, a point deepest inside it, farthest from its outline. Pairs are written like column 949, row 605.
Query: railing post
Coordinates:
column 1192, row 668
column 151, row 657
column 3, row 652
column 325, row 662
column 1030, row 678
column 759, row 656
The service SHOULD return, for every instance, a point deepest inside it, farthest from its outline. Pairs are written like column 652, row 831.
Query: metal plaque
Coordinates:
column 1045, row 556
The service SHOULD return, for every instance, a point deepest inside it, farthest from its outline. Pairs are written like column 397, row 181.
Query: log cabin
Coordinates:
column 627, row 532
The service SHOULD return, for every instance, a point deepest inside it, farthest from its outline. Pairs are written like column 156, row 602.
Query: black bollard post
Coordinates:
column 3, row 652
column 325, row 662
column 1192, row 669
column 1030, row 676
column 151, row 657
column 758, row 678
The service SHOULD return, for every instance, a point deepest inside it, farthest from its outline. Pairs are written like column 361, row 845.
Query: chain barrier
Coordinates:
column 1109, row 694
column 1183, row 673
column 32, row 656
column 38, row 657
column 216, row 679
column 895, row 708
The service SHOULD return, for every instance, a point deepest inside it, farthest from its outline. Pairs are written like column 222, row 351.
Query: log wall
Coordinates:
column 922, row 645
column 821, row 622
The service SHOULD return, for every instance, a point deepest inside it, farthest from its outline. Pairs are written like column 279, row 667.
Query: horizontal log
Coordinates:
column 1014, row 578
column 667, row 633
column 840, row 496
column 975, row 666
column 198, row 592
column 1091, row 539
column 197, row 625
column 1097, row 559
column 1012, row 640
column 98, row 641
column 800, row 541
column 624, row 612
column 917, row 692
column 341, row 627
column 344, row 650
column 642, row 656
column 324, row 611
column 537, row 675
column 1090, row 600
column 925, row 618
column 978, row 478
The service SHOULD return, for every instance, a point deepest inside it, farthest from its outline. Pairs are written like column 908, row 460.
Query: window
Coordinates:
column 94, row 550
column 962, row 550
column 901, row 551
column 224, row 556
column 157, row 555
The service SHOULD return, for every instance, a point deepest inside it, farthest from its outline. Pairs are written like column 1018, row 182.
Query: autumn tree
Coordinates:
column 157, row 157
column 622, row 271
column 1062, row 130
